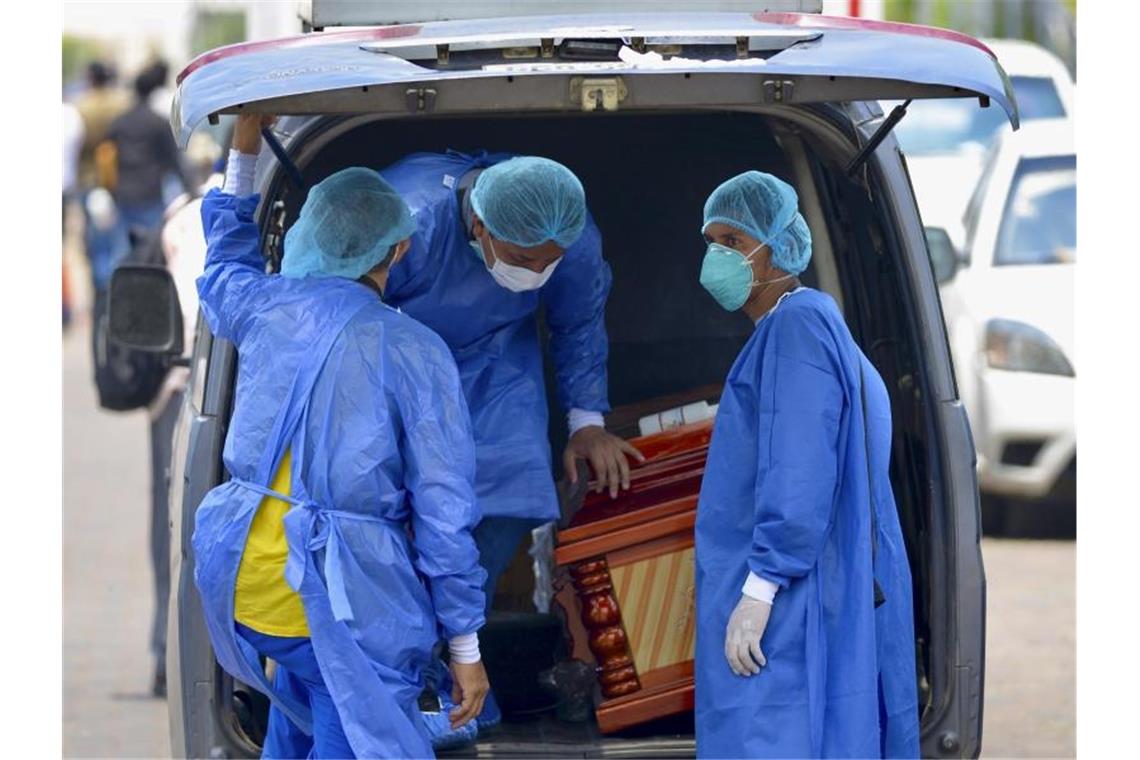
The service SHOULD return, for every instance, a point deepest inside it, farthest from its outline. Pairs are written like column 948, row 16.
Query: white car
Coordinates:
column 1008, row 307
column 945, row 140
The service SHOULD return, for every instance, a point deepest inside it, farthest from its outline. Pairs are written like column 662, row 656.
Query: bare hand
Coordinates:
column 247, row 132
column 468, row 693
column 607, row 455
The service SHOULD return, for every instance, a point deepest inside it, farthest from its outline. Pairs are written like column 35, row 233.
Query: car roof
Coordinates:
column 1024, row 58
column 1040, row 137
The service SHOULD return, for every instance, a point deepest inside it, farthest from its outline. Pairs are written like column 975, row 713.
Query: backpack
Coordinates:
column 127, row 378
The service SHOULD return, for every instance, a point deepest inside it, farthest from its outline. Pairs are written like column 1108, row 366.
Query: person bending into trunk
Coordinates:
column 502, row 236
column 341, row 546
column 805, row 635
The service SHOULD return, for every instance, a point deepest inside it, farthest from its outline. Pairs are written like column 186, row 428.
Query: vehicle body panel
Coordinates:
column 953, row 725
column 328, row 76
column 830, row 65
column 1014, row 407
column 325, row 13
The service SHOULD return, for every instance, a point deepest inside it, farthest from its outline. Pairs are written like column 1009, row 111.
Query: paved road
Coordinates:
column 1031, row 640
column 107, row 711
column 107, row 581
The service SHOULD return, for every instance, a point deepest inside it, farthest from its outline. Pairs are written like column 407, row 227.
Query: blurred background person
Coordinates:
column 162, row 97
column 99, row 105
column 72, row 143
column 183, row 245
column 137, row 166
column 145, row 156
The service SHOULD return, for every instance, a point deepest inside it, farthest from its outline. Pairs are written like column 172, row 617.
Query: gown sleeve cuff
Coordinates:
column 580, row 418
column 240, row 168
column 464, row 649
column 759, row 588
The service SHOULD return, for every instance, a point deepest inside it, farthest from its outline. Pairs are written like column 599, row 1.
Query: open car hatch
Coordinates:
column 589, row 62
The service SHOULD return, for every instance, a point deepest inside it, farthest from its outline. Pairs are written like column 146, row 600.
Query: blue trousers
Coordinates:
column 299, row 675
column 106, row 248
column 497, row 539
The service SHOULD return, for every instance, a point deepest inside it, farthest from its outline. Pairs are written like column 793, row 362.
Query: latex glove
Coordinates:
column 607, row 454
column 742, row 637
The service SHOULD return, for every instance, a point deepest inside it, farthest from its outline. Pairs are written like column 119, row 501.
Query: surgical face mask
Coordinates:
column 513, row 278
column 727, row 275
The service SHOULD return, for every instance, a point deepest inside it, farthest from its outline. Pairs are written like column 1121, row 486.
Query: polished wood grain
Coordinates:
column 606, row 635
column 600, row 545
column 632, row 564
column 656, row 598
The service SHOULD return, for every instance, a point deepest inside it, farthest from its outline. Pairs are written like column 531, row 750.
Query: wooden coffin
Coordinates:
column 630, row 565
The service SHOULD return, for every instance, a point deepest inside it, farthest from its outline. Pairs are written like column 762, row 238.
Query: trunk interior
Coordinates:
column 646, row 178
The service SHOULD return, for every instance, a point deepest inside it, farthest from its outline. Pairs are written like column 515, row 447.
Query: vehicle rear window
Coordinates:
column 1039, row 225
column 1037, row 98
column 945, row 125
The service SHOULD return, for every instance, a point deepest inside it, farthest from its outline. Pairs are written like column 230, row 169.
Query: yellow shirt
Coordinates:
column 262, row 599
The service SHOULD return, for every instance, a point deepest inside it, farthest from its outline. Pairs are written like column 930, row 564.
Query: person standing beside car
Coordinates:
column 72, row 143
column 137, row 155
column 145, row 156
column 341, row 545
column 805, row 635
column 99, row 105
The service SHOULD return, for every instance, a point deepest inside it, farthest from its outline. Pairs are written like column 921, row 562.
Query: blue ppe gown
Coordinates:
column 493, row 334
column 380, row 546
column 787, row 495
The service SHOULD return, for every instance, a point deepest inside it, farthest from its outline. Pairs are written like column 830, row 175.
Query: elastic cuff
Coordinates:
column 760, row 589
column 580, row 418
column 464, row 649
column 240, row 168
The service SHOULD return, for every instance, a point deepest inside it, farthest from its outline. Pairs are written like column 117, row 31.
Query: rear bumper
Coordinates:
column 1026, row 434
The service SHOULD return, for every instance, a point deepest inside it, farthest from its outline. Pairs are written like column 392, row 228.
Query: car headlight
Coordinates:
column 1020, row 347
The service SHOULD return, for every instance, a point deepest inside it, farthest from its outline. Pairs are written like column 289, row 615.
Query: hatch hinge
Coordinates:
column 547, row 47
column 778, row 91
column 742, row 44
column 443, row 54
column 881, row 133
column 598, row 93
column 420, row 99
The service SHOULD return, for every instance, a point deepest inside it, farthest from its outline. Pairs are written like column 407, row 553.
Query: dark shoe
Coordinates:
column 158, row 687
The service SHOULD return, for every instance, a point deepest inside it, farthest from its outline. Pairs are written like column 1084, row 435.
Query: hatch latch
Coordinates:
column 420, row 99
column 598, row 93
column 778, row 90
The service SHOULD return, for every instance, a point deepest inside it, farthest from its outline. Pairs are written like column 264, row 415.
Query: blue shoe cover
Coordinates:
column 490, row 715
column 438, row 726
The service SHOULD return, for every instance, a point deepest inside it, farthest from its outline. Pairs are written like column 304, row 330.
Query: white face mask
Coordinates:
column 513, row 278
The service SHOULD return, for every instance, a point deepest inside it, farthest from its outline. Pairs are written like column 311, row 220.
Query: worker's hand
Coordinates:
column 606, row 454
column 247, row 132
column 742, row 637
column 471, row 687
